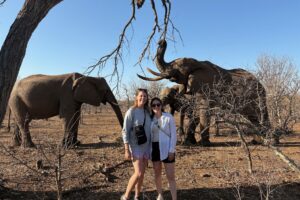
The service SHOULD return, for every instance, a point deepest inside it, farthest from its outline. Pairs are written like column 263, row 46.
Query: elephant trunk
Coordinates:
column 114, row 104
column 160, row 61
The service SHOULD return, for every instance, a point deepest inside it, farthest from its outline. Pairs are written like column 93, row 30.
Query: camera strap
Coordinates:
column 144, row 117
column 159, row 127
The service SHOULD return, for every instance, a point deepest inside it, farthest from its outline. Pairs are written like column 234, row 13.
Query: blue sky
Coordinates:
column 229, row 33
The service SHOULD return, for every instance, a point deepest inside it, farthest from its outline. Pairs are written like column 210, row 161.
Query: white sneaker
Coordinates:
column 123, row 197
column 160, row 197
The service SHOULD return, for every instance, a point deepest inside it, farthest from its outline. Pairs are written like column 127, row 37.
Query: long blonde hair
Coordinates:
column 135, row 104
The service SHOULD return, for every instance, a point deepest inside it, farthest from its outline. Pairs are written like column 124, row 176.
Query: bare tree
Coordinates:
column 238, row 103
column 14, row 47
column 31, row 14
column 128, row 96
column 280, row 77
column 153, row 88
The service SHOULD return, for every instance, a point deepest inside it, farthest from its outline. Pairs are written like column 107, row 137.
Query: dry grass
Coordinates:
column 218, row 172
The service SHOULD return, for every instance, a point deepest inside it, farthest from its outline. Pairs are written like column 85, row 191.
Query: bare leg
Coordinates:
column 157, row 167
column 139, row 184
column 139, row 166
column 170, row 172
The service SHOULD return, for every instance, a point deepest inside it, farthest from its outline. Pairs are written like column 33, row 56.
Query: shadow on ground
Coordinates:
column 289, row 191
column 98, row 145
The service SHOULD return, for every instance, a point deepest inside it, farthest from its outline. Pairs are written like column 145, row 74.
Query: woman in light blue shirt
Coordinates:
column 163, row 137
column 137, row 115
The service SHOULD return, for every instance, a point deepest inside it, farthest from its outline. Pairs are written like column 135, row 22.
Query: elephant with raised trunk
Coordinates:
column 197, row 76
column 44, row 96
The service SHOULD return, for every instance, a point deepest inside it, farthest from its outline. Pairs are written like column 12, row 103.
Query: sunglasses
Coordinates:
column 155, row 105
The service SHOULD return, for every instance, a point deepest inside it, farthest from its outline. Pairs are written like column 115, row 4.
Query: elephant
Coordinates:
column 44, row 96
column 184, row 104
column 200, row 76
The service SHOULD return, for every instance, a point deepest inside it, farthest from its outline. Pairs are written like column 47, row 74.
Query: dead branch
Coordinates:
column 116, row 54
column 2, row 2
column 105, row 170
column 150, row 38
column 286, row 159
column 58, row 171
column 246, row 148
column 167, row 7
column 11, row 154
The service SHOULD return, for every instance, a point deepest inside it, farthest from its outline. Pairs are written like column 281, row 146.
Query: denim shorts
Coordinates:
column 138, row 153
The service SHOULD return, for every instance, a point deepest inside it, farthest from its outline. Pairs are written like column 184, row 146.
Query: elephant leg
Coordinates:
column 216, row 125
column 26, row 138
column 204, row 128
column 257, row 137
column 71, row 130
column 192, row 124
column 180, row 129
column 22, row 125
column 16, row 137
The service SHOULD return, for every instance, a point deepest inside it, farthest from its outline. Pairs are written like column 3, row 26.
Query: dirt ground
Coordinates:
column 96, row 169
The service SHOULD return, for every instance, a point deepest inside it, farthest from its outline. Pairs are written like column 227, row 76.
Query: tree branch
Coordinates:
column 116, row 54
column 150, row 38
column 288, row 161
column 2, row 2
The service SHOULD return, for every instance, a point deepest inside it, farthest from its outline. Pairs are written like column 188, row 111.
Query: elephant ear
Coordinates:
column 86, row 90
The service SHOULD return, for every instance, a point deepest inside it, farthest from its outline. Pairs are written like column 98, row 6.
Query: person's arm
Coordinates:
column 127, row 152
column 173, row 138
column 126, row 133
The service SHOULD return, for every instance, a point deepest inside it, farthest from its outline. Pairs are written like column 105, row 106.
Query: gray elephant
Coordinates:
column 198, row 76
column 185, row 105
column 44, row 96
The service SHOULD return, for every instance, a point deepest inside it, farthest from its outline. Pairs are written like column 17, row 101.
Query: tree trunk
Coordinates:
column 14, row 47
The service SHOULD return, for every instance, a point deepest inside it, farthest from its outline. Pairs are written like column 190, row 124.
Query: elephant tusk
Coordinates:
column 153, row 72
column 150, row 79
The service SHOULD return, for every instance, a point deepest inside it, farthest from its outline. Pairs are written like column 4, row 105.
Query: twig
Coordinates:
column 246, row 148
column 116, row 54
column 19, row 160
column 150, row 38
column 58, row 174
column 284, row 158
column 2, row 2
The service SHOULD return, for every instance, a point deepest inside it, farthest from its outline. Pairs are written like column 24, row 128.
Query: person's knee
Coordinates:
column 171, row 176
column 139, row 174
column 157, row 173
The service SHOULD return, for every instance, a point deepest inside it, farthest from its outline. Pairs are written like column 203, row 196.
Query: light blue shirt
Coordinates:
column 135, row 117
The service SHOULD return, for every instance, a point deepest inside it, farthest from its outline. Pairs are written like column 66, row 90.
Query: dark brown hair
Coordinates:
column 156, row 99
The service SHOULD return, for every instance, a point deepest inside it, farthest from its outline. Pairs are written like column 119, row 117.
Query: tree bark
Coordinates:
column 14, row 47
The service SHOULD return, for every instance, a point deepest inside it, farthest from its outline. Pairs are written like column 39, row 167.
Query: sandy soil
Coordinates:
column 96, row 169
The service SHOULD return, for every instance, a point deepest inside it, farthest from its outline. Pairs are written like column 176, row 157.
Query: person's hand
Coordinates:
column 171, row 156
column 127, row 154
